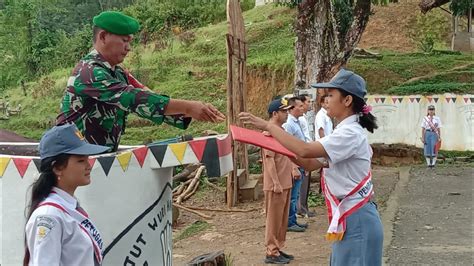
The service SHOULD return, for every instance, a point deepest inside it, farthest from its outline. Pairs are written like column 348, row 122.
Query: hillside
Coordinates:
column 194, row 67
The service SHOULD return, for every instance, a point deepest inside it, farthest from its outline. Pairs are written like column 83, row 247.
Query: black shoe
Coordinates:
column 288, row 256
column 295, row 228
column 276, row 260
column 305, row 226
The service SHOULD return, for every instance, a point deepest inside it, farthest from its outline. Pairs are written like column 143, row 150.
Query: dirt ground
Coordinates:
column 242, row 234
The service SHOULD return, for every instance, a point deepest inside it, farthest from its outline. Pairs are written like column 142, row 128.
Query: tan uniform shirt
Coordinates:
column 276, row 168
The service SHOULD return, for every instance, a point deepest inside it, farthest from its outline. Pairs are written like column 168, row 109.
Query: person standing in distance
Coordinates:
column 58, row 230
column 431, row 135
column 100, row 93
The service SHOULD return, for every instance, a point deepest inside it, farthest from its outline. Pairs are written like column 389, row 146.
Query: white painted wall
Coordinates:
column 400, row 122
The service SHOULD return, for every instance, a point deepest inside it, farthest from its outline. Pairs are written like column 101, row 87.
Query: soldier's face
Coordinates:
column 116, row 47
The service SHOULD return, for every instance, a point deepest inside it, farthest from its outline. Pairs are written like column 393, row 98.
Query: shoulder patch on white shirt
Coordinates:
column 44, row 224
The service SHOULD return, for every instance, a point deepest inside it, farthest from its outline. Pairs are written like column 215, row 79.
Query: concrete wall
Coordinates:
column 400, row 117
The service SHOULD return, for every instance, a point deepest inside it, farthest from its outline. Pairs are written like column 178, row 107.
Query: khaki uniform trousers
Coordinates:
column 277, row 207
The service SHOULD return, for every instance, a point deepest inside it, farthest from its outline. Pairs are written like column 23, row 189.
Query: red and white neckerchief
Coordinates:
column 339, row 210
column 82, row 220
column 431, row 125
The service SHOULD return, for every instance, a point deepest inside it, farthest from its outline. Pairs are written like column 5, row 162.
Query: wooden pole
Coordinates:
column 236, row 93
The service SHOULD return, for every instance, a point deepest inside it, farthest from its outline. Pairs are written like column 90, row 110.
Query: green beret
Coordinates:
column 116, row 23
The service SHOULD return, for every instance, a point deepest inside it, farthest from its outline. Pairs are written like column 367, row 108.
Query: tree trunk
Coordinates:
column 318, row 55
column 427, row 5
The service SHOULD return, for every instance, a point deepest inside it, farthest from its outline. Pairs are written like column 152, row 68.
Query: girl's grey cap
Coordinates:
column 66, row 139
column 345, row 80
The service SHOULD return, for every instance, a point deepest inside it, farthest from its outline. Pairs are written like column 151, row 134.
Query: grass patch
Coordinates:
column 192, row 230
column 315, row 199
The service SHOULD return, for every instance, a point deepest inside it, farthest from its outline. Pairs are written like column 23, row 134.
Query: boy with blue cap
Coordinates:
column 59, row 231
column 278, row 172
column 355, row 224
column 100, row 94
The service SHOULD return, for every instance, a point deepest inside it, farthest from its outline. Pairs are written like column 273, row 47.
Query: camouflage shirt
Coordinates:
column 98, row 99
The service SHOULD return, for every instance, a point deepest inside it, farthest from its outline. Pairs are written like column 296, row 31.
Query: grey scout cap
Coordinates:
column 346, row 80
column 66, row 139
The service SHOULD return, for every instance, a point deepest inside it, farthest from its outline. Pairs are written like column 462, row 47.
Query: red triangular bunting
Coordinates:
column 448, row 99
column 466, row 99
column 92, row 161
column 198, row 147
column 21, row 165
column 394, row 99
column 412, row 99
column 377, row 100
column 224, row 146
column 140, row 154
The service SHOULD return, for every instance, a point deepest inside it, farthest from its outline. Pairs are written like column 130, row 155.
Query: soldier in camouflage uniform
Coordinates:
column 100, row 94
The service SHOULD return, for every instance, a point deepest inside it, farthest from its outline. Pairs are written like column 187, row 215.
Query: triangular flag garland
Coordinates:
column 140, row 154
column 37, row 163
column 178, row 150
column 124, row 159
column 21, row 165
column 106, row 162
column 92, row 161
column 224, row 146
column 158, row 152
column 3, row 164
column 210, row 158
column 198, row 147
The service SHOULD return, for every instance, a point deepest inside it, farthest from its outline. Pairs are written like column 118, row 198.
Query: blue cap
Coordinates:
column 277, row 105
column 66, row 139
column 346, row 80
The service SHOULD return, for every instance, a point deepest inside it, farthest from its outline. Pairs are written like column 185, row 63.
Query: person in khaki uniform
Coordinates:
column 278, row 172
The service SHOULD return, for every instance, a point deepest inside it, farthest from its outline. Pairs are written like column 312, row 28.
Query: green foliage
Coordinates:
column 192, row 230
column 430, row 31
column 315, row 200
column 461, row 7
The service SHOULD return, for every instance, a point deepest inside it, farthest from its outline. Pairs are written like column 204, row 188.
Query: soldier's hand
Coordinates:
column 205, row 112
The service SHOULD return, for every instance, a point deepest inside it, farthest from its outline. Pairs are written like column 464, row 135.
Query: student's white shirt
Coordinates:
column 349, row 156
column 304, row 125
column 323, row 121
column 55, row 238
column 436, row 122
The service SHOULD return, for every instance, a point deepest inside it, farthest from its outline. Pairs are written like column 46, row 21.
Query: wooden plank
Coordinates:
column 236, row 92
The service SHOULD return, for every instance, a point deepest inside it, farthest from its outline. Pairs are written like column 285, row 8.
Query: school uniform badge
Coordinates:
column 44, row 224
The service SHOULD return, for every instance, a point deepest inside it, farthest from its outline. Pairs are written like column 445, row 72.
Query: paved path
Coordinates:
column 434, row 223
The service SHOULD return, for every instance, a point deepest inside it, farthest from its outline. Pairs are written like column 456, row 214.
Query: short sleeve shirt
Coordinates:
column 436, row 121
column 293, row 127
column 304, row 125
column 323, row 121
column 55, row 238
column 349, row 156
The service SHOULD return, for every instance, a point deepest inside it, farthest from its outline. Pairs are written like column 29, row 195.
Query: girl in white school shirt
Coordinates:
column 355, row 224
column 58, row 231
column 431, row 135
